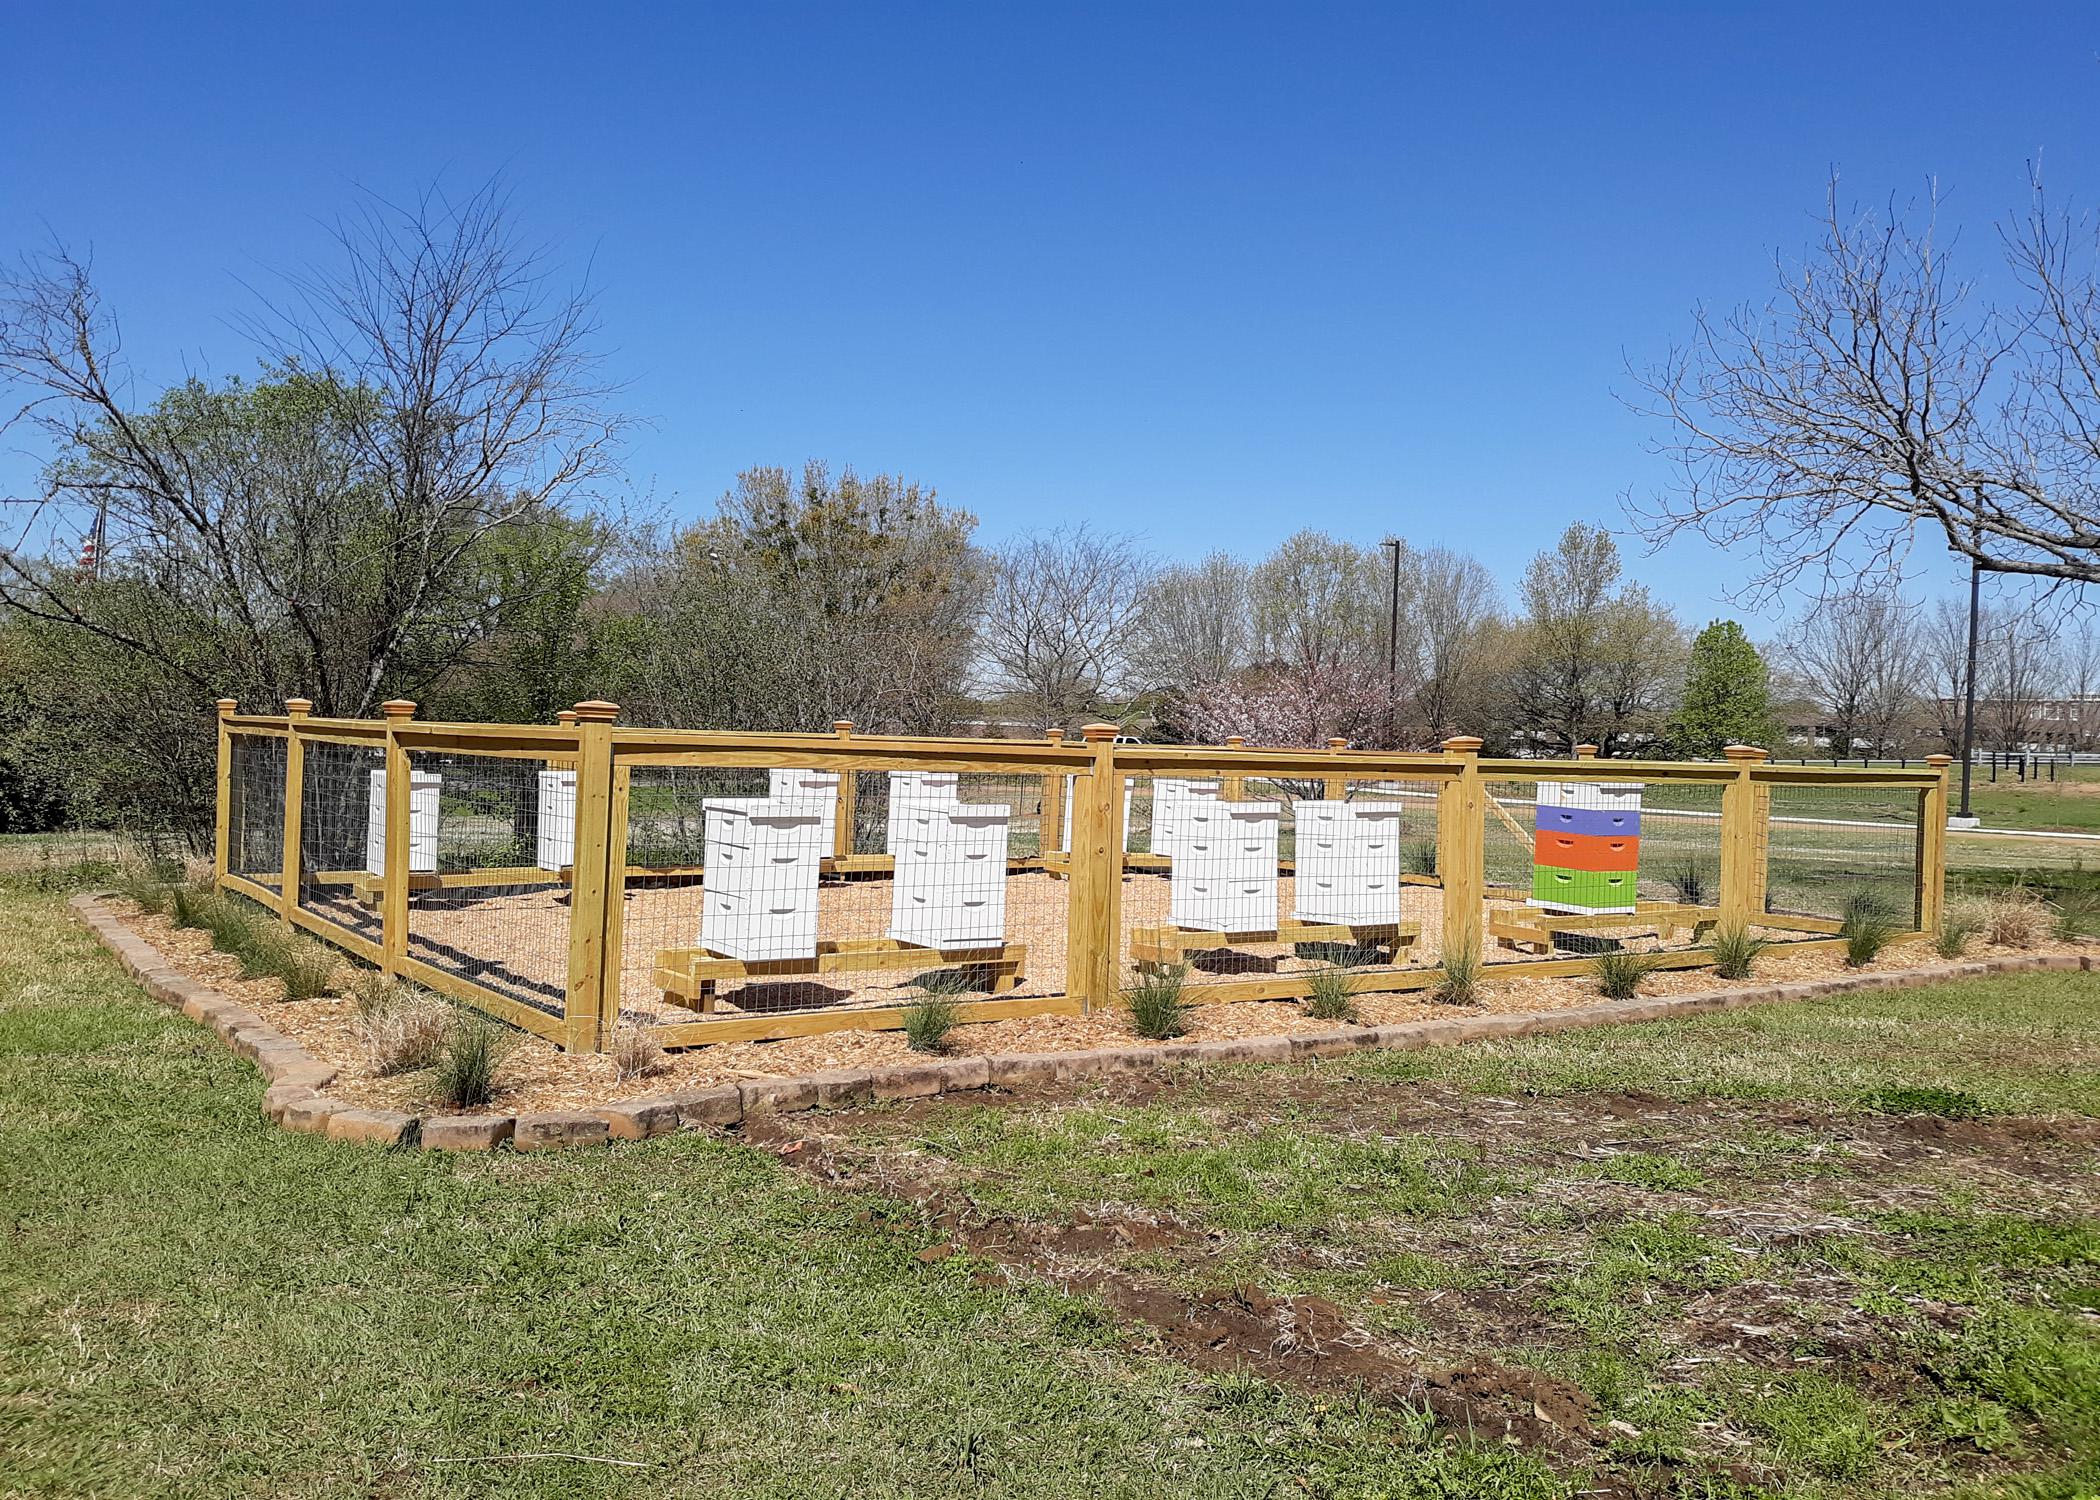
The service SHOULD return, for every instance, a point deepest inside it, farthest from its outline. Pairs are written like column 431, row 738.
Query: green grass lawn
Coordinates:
column 2069, row 804
column 193, row 1303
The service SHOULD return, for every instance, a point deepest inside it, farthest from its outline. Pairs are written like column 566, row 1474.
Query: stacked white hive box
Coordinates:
column 1348, row 861
column 949, row 888
column 1175, row 805
column 555, row 845
column 423, row 787
column 759, row 900
column 1224, row 874
column 1069, row 782
column 913, row 794
column 818, row 787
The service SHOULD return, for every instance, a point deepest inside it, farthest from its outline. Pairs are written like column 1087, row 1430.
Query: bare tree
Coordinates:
column 1876, row 401
column 1450, row 612
column 2081, row 652
column 1860, row 659
column 1317, row 602
column 2017, row 671
column 1059, row 621
column 1194, row 628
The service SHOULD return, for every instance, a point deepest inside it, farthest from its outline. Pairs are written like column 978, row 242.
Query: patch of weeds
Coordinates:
column 1814, row 1422
column 1693, row 886
column 2029, row 1361
column 1419, row 857
column 1735, row 951
column 1461, row 983
column 2014, row 918
column 1666, row 1250
column 2077, row 915
column 1925, row 1099
column 1964, row 1417
column 402, row 1028
column 1952, row 939
column 464, row 1073
column 144, row 887
column 1159, row 1008
column 1647, row 1170
column 1866, row 928
column 1619, row 973
column 1328, row 997
column 634, row 1052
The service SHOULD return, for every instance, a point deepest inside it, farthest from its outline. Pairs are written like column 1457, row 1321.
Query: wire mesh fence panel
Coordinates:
column 255, row 821
column 1231, row 879
column 1832, row 849
column 747, row 910
column 1590, row 866
column 489, row 841
column 337, row 834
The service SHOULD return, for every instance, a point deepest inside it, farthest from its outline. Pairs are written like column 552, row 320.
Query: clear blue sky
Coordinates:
column 1206, row 273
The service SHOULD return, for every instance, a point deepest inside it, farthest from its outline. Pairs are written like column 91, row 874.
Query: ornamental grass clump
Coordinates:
column 929, row 1019
column 1866, row 929
column 464, row 1075
column 1159, row 1009
column 635, row 1053
column 401, row 1028
column 1619, row 973
column 1328, row 997
column 1736, row 951
column 1461, row 983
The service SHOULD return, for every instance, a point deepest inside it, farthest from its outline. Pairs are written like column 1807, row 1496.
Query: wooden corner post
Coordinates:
column 591, row 1003
column 1745, row 811
column 1461, row 847
column 1336, row 788
column 222, row 814
column 1050, row 822
column 399, row 861
column 295, row 711
column 1234, row 787
column 1093, row 921
column 1932, row 847
column 844, row 812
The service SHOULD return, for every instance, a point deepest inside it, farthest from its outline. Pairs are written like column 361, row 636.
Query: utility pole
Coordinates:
column 1968, row 711
column 1392, row 649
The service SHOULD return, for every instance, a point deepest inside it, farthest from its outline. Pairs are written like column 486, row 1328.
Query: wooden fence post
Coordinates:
column 222, row 815
column 1745, row 812
column 1093, row 898
column 295, row 709
column 1932, row 847
column 400, row 815
column 1234, row 788
column 585, row 1003
column 844, row 811
column 1050, row 824
column 1461, row 848
column 1336, row 788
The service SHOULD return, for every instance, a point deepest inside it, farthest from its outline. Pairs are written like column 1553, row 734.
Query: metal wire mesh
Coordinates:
column 487, row 898
column 335, row 833
column 1237, row 878
column 744, row 906
column 1829, row 848
column 1583, row 866
column 255, row 822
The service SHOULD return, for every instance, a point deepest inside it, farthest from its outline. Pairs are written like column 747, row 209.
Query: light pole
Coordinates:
column 1392, row 648
column 1968, row 710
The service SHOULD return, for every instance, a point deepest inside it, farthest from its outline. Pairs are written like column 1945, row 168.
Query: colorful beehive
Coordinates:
column 819, row 787
column 1175, row 804
column 555, row 846
column 1586, row 846
column 760, row 897
column 1348, row 861
column 1224, row 872
column 949, row 887
column 423, row 790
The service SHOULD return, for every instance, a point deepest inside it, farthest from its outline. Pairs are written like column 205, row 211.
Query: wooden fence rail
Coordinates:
column 1087, row 780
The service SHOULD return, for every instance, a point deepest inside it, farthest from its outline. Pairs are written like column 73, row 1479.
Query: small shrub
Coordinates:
column 634, row 1052
column 1694, row 887
column 307, row 968
column 1419, row 857
column 403, row 1029
column 1619, row 973
column 2014, row 919
column 1328, row 998
column 1735, row 951
column 1952, row 940
column 1158, row 1008
column 186, row 904
column 464, row 1074
column 147, row 889
column 928, row 1021
column 1461, row 984
column 2077, row 915
column 1925, row 1099
column 1866, row 929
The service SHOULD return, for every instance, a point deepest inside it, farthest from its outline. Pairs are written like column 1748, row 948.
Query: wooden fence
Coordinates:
column 426, row 850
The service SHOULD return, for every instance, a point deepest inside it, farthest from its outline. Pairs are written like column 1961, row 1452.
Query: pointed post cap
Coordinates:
column 1745, row 755
column 298, row 708
column 842, row 727
column 398, row 709
column 1939, row 762
column 1585, row 752
column 1463, row 744
column 1336, row 742
column 227, row 706
column 1095, row 733
column 597, row 711
column 566, row 717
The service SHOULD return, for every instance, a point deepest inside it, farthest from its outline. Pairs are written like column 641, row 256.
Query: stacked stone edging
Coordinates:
column 295, row 1101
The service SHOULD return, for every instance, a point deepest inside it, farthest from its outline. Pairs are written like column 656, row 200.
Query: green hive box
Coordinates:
column 1583, row 890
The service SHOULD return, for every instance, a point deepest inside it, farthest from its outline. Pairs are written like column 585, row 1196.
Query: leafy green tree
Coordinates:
column 1727, row 694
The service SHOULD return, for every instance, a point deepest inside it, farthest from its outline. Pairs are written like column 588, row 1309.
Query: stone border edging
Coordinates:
column 296, row 1078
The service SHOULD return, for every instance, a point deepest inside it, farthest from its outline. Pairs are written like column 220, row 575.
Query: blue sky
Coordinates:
column 1207, row 273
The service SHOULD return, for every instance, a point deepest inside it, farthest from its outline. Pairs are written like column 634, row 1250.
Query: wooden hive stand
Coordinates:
column 691, row 976
column 1539, row 931
column 1157, row 948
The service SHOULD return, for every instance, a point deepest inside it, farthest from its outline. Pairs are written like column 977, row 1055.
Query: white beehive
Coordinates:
column 1224, row 874
column 1066, row 843
column 759, row 897
column 913, row 795
column 819, row 787
column 949, row 890
column 555, row 846
column 1347, row 857
column 422, row 823
column 1174, row 803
